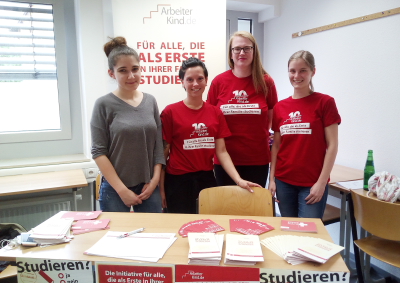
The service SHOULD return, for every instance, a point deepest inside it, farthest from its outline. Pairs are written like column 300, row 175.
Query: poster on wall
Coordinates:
column 30, row 270
column 165, row 33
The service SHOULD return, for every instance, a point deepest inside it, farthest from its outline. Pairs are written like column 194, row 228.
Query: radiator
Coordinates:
column 29, row 212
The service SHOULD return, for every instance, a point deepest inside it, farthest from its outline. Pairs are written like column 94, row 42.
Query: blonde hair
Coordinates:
column 257, row 70
column 308, row 58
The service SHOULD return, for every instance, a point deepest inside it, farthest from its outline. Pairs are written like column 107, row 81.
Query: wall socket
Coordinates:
column 91, row 172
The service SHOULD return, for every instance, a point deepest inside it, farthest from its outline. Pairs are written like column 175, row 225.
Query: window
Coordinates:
column 245, row 25
column 34, row 96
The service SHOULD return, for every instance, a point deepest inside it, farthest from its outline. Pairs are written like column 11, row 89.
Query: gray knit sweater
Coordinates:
column 129, row 136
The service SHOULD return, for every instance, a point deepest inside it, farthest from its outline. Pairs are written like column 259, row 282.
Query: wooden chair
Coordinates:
column 380, row 219
column 331, row 215
column 98, row 184
column 9, row 274
column 233, row 200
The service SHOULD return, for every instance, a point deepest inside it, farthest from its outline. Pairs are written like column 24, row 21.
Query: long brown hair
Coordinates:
column 257, row 70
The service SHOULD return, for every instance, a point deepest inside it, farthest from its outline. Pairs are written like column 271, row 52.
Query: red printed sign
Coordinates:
column 196, row 273
column 107, row 273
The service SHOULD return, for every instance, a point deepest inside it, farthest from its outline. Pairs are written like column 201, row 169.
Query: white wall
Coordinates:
column 356, row 64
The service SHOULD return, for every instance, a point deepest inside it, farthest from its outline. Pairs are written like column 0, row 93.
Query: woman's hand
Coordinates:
column 147, row 190
column 316, row 193
column 272, row 187
column 129, row 198
column 247, row 184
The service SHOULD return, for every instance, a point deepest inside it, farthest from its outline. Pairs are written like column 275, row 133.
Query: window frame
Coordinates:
column 62, row 83
column 249, row 20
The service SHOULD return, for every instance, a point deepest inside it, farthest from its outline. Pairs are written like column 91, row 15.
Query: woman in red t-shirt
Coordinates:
column 246, row 94
column 193, row 131
column 305, row 143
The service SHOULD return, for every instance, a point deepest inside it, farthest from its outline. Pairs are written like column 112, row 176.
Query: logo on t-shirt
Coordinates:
column 295, row 126
column 239, row 104
column 241, row 96
column 294, row 117
column 201, row 141
column 200, row 129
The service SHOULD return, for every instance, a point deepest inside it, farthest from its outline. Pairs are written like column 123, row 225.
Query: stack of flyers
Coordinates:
column 84, row 226
column 243, row 249
column 81, row 215
column 205, row 248
column 298, row 249
column 249, row 226
column 200, row 226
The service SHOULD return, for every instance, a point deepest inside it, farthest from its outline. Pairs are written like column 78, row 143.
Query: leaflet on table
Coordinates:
column 202, row 259
column 243, row 249
column 299, row 249
column 203, row 244
column 54, row 230
column 249, row 226
column 298, row 226
column 146, row 246
column 81, row 215
column 91, row 224
column 352, row 185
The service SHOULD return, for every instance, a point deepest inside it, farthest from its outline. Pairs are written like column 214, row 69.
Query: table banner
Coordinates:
column 126, row 272
column 302, row 276
column 31, row 270
column 197, row 273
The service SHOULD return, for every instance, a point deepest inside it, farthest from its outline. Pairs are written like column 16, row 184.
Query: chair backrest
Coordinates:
column 233, row 200
column 98, row 184
column 378, row 217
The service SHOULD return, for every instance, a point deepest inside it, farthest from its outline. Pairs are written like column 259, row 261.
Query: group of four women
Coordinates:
column 223, row 141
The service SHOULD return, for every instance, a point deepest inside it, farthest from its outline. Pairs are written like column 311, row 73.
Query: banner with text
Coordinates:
column 302, row 276
column 166, row 33
column 126, row 272
column 30, row 270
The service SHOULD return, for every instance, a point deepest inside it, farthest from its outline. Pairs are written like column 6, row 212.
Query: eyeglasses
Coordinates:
column 246, row 49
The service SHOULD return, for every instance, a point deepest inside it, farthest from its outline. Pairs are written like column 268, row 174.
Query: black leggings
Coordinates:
column 254, row 173
column 183, row 190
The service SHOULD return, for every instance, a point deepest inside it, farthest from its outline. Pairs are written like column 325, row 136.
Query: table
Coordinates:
column 178, row 253
column 42, row 182
column 342, row 173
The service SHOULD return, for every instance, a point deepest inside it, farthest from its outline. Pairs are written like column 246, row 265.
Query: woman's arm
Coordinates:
column 274, row 154
column 270, row 115
column 331, row 137
column 107, row 169
column 149, row 188
column 227, row 164
column 162, row 177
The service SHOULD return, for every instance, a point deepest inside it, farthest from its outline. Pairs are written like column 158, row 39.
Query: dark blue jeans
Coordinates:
column 111, row 202
column 292, row 203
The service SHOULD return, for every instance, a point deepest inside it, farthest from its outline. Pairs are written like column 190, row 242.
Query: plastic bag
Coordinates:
column 385, row 186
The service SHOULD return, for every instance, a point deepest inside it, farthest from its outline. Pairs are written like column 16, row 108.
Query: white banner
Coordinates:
column 165, row 33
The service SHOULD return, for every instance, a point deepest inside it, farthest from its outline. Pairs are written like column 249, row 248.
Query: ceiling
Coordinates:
column 245, row 6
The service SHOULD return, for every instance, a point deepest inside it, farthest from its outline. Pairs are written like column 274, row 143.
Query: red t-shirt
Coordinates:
column 246, row 112
column 301, row 123
column 191, row 135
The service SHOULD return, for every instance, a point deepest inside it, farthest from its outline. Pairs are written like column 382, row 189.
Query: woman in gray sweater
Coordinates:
column 126, row 137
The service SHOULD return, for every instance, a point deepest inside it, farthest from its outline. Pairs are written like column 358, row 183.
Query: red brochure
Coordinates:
column 298, row 226
column 91, row 224
column 81, row 215
column 249, row 226
column 199, row 226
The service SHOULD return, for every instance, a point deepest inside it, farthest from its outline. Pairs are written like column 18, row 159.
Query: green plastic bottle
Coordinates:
column 369, row 169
